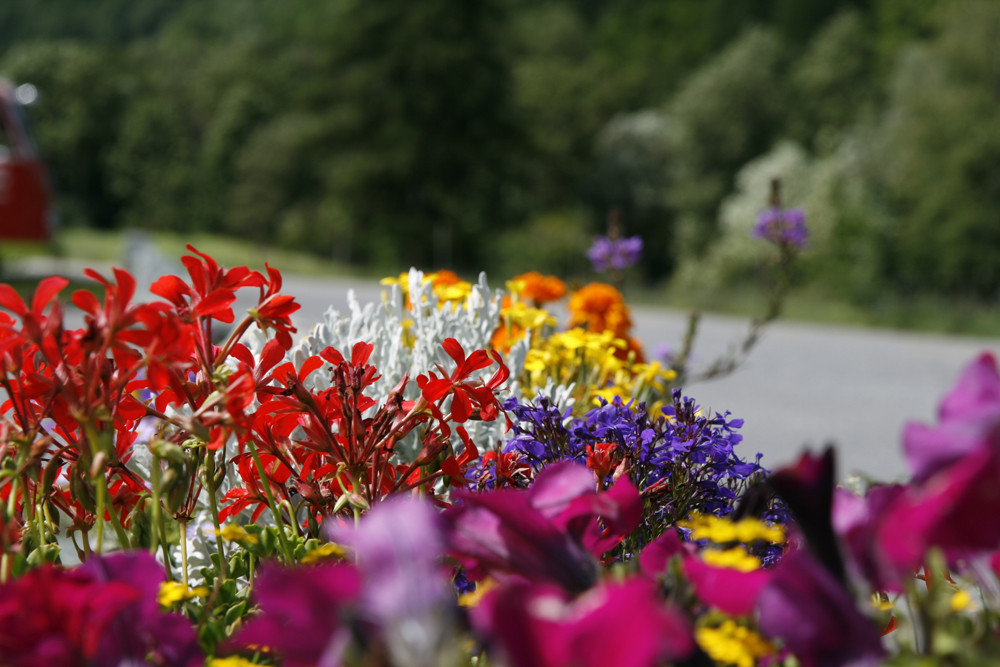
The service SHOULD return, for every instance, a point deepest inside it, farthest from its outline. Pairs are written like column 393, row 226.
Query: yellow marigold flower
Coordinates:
column 234, row 533
column 733, row 644
column 723, row 530
column 609, row 393
column 735, row 558
column 960, row 601
column 525, row 316
column 652, row 374
column 881, row 602
column 600, row 307
column 473, row 599
column 173, row 592
column 231, row 661
column 537, row 288
column 324, row 552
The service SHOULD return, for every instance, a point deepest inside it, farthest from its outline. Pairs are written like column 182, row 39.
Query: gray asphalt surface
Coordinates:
column 802, row 386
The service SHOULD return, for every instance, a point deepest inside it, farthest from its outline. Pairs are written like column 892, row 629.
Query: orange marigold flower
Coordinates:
column 600, row 307
column 538, row 288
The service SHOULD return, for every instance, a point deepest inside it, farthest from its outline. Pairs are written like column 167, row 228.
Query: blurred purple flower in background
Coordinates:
column 407, row 600
column 615, row 253
column 782, row 226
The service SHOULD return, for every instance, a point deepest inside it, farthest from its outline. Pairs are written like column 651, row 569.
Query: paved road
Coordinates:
column 802, row 385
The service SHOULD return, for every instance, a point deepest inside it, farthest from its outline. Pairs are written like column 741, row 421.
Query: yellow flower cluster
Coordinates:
column 448, row 287
column 733, row 644
column 592, row 361
column 722, row 530
column 324, row 552
column 174, row 592
column 234, row 533
column 734, row 558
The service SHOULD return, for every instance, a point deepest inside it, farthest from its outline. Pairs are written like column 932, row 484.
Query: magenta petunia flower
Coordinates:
column 857, row 520
column 142, row 632
column 732, row 591
column 103, row 614
column 969, row 417
column 552, row 532
column 616, row 623
column 302, row 613
column 946, row 510
column 805, row 607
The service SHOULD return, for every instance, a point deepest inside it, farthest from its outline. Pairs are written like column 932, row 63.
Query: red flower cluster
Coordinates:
column 77, row 401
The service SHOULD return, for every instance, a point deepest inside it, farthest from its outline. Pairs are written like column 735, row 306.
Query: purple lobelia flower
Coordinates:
column 407, row 600
column 615, row 623
column 615, row 253
column 551, row 533
column 684, row 450
column 804, row 606
column 303, row 613
column 780, row 226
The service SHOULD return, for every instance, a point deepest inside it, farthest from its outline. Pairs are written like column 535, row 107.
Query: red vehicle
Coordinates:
column 26, row 211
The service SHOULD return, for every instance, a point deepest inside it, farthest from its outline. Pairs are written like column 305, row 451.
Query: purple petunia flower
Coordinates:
column 782, row 226
column 407, row 596
column 617, row 254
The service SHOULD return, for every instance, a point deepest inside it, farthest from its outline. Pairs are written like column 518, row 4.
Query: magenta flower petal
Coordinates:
column 57, row 617
column 500, row 533
column 656, row 555
column 857, row 521
column 806, row 487
column 954, row 510
column 302, row 613
column 730, row 590
column 623, row 624
column 976, row 394
column 969, row 418
column 804, row 606
column 550, row 534
column 142, row 629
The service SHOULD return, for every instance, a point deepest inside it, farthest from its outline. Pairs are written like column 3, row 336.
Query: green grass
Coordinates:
column 109, row 247
column 916, row 313
column 924, row 313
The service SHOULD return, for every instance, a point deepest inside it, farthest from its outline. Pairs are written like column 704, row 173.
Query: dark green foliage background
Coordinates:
column 499, row 134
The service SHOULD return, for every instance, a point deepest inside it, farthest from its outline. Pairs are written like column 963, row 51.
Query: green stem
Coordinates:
column 213, row 504
column 184, row 553
column 157, row 518
column 265, row 481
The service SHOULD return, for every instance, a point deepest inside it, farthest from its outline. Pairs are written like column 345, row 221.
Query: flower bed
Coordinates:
column 447, row 478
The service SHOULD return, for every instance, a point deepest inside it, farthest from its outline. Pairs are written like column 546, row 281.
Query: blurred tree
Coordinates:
column 728, row 111
column 938, row 151
column 75, row 121
column 424, row 144
column 632, row 179
column 832, row 82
